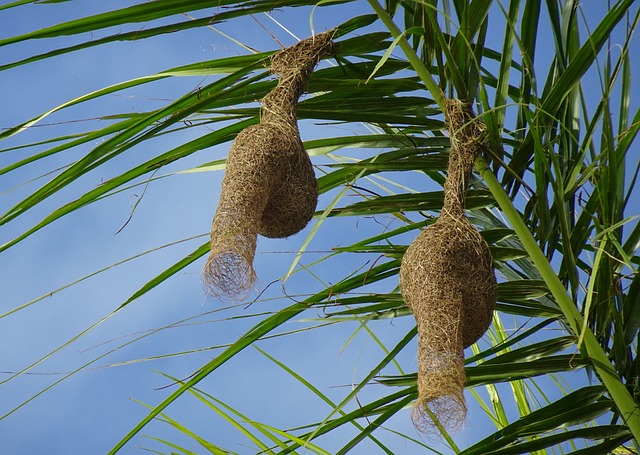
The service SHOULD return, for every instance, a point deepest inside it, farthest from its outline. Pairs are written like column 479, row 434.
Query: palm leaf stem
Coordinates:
column 415, row 61
column 625, row 403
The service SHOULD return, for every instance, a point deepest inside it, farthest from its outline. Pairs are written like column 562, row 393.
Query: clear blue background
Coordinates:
column 91, row 410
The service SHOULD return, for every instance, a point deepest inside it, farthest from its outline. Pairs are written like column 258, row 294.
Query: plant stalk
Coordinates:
column 625, row 403
column 629, row 410
column 415, row 61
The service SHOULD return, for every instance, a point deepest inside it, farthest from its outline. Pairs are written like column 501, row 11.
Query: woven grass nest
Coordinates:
column 269, row 187
column 448, row 282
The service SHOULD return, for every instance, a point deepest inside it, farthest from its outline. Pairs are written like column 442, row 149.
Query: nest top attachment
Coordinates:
column 303, row 56
column 467, row 135
column 293, row 66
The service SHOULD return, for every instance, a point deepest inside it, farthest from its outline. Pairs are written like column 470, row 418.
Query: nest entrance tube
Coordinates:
column 448, row 282
column 269, row 187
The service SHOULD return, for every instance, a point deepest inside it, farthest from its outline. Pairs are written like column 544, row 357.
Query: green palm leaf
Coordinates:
column 555, row 197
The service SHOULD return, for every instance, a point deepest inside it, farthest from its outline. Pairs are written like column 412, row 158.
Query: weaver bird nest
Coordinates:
column 269, row 187
column 448, row 282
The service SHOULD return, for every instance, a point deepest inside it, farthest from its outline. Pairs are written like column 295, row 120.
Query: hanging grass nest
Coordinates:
column 269, row 187
column 448, row 282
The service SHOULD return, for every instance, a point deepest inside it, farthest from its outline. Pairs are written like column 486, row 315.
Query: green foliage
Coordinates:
column 555, row 198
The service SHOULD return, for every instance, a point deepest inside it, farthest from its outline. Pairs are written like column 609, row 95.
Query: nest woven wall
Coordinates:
column 448, row 282
column 269, row 187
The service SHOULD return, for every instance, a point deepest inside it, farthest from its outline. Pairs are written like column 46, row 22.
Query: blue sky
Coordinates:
column 90, row 410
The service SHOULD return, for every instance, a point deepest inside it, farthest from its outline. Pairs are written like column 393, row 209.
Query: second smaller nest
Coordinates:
column 448, row 283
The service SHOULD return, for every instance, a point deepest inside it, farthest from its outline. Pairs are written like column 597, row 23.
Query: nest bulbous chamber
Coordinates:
column 448, row 269
column 448, row 283
column 294, row 193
